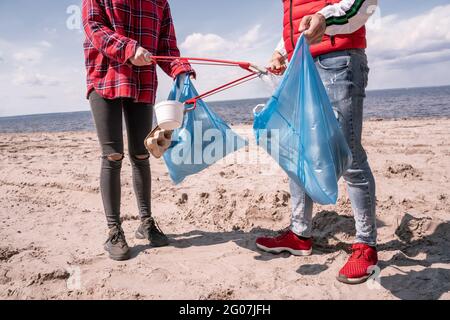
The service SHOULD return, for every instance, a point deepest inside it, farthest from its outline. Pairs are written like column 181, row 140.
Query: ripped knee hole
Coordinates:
column 142, row 157
column 115, row 157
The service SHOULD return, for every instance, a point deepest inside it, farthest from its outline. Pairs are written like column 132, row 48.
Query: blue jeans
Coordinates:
column 345, row 75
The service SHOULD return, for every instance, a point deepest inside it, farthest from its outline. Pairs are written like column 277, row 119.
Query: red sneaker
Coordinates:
column 358, row 267
column 288, row 241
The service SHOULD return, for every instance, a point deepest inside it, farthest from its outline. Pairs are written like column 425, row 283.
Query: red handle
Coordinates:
column 191, row 101
column 205, row 61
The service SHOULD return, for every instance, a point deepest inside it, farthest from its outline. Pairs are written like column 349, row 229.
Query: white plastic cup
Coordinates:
column 169, row 114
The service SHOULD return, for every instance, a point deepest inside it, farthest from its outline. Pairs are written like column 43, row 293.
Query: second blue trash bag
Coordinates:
column 299, row 129
column 203, row 139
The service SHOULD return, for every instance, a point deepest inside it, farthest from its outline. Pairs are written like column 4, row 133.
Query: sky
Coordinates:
column 41, row 56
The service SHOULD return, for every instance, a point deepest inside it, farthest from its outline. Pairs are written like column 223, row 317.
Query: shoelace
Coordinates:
column 117, row 236
column 357, row 253
column 283, row 235
column 152, row 225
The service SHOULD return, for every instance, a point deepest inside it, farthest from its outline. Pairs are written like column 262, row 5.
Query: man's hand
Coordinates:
column 141, row 58
column 277, row 64
column 313, row 27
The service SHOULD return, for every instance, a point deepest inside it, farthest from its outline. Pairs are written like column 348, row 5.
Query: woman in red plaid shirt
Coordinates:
column 120, row 35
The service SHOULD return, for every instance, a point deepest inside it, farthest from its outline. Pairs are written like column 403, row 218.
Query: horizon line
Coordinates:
column 218, row 101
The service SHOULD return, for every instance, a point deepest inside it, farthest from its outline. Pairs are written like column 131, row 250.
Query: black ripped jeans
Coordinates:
column 108, row 121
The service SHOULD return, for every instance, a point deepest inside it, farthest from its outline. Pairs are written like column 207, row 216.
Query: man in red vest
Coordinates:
column 335, row 29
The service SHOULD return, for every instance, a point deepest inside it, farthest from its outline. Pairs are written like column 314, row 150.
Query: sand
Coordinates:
column 52, row 226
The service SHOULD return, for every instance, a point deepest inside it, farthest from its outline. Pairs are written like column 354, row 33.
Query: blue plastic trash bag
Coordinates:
column 203, row 139
column 299, row 129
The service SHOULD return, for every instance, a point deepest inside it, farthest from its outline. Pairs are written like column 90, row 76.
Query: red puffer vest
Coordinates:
column 295, row 10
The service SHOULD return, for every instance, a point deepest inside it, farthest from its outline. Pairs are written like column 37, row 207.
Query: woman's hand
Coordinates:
column 142, row 58
column 313, row 28
column 277, row 64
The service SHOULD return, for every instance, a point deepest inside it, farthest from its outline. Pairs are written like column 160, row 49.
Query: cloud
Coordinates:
column 254, row 44
column 416, row 59
column 30, row 55
column 200, row 43
column 406, row 42
column 36, row 97
column 23, row 76
column 51, row 31
column 45, row 44
column 5, row 48
column 28, row 61
column 32, row 71
column 251, row 38
column 206, row 44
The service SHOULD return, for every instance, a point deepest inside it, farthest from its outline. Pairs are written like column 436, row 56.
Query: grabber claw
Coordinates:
column 257, row 69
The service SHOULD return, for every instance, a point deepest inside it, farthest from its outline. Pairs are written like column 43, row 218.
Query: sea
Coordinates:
column 430, row 102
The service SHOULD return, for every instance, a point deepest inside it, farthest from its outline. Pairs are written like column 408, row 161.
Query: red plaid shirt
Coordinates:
column 114, row 30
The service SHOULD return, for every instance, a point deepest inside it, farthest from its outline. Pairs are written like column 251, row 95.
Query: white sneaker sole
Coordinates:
column 354, row 280
column 284, row 249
